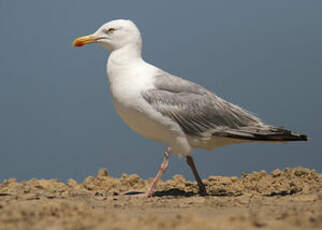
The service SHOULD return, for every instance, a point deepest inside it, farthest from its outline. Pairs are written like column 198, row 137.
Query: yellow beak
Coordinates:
column 84, row 40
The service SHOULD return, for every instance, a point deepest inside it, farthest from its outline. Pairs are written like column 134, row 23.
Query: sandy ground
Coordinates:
column 283, row 199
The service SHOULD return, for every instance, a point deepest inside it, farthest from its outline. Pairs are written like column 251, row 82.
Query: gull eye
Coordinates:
column 110, row 30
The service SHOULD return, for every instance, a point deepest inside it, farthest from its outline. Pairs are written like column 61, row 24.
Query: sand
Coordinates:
column 282, row 199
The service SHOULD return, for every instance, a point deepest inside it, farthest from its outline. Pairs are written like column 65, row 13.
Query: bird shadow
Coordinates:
column 174, row 192
column 181, row 193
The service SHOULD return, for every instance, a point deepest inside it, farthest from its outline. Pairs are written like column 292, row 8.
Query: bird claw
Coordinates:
column 203, row 193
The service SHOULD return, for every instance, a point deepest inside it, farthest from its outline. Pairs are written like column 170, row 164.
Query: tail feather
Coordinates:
column 270, row 134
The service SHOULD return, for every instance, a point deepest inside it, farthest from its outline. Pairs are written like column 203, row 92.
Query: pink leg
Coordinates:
column 202, row 188
column 156, row 179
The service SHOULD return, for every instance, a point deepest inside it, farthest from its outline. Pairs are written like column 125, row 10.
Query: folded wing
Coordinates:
column 201, row 113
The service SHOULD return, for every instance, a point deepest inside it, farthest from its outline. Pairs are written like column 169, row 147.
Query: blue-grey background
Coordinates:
column 56, row 115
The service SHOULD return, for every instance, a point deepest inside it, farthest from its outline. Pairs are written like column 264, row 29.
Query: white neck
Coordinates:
column 126, row 53
column 121, row 59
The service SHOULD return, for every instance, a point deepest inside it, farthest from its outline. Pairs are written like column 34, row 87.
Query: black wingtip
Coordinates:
column 304, row 138
column 297, row 137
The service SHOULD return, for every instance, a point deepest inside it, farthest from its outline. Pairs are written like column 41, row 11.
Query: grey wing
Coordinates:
column 198, row 111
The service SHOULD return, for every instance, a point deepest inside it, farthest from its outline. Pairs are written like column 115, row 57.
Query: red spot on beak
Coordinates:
column 78, row 43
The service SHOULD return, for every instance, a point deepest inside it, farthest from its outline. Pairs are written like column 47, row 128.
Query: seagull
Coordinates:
column 179, row 113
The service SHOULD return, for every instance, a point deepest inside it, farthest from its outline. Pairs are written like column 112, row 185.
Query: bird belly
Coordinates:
column 153, row 126
column 142, row 123
column 142, row 117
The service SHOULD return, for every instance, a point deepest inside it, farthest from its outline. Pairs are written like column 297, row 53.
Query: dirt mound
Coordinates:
column 290, row 198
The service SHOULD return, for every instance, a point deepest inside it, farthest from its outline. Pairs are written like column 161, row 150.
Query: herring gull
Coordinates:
column 166, row 108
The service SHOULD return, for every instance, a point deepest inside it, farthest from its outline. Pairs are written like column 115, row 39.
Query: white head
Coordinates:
column 114, row 35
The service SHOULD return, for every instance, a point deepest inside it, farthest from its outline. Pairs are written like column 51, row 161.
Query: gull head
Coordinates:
column 113, row 35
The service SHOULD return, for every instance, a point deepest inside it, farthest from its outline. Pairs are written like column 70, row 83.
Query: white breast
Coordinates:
column 126, row 86
column 127, row 82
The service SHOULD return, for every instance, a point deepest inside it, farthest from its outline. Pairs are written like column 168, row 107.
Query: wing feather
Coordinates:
column 201, row 113
column 198, row 111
